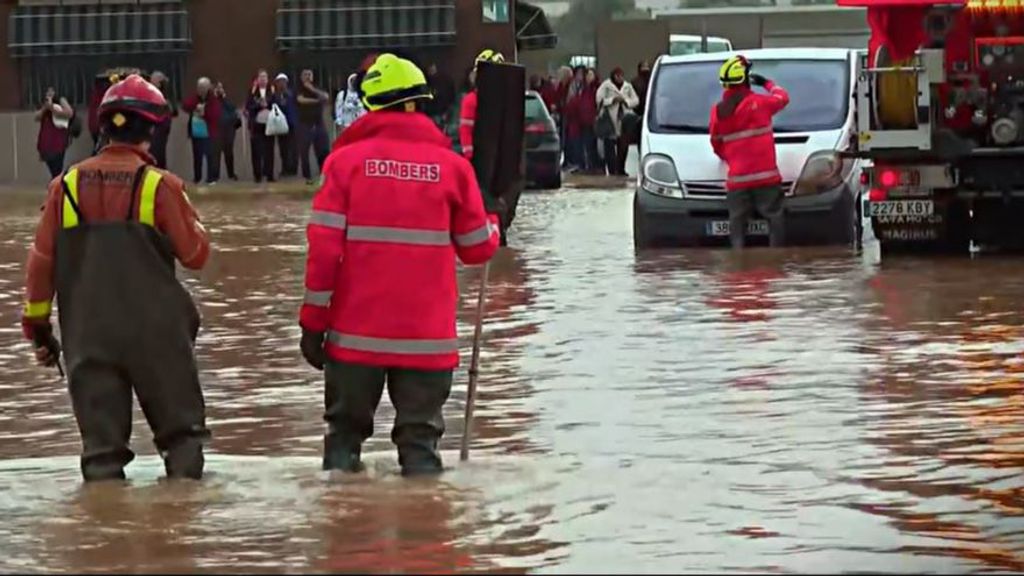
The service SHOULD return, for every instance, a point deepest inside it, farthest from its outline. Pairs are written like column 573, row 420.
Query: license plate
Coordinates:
column 903, row 208
column 754, row 228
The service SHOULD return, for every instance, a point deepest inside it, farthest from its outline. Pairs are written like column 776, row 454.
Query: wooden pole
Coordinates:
column 474, row 365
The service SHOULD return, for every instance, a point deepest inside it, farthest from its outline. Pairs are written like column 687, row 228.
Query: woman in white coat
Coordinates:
column 347, row 107
column 615, row 98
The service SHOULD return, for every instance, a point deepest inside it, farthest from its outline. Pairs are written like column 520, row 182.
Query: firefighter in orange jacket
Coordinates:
column 742, row 136
column 110, row 231
column 396, row 208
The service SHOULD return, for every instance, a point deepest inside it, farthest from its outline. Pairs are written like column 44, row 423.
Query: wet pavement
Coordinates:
column 675, row 411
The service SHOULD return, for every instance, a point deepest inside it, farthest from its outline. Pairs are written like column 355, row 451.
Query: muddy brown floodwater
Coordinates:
column 677, row 411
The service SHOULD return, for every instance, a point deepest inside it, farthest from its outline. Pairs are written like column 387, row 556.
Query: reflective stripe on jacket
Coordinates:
column 742, row 136
column 467, row 123
column 102, row 188
column 396, row 208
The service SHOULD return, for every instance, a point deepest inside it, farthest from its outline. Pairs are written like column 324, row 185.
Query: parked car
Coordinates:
column 543, row 147
column 681, row 195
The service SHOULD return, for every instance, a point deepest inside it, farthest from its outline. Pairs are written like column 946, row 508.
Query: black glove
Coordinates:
column 312, row 346
column 758, row 80
column 47, row 345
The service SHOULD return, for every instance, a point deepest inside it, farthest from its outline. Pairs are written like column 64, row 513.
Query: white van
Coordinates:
column 686, row 44
column 681, row 196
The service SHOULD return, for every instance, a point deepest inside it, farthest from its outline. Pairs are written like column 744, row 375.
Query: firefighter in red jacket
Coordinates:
column 742, row 136
column 396, row 207
column 467, row 113
column 110, row 231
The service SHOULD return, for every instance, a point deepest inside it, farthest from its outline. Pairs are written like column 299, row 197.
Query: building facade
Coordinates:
column 64, row 43
column 67, row 43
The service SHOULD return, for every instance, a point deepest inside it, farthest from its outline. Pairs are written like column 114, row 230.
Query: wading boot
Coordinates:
column 417, row 450
column 342, row 456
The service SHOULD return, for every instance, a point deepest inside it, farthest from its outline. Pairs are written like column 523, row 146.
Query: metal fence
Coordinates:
column 73, row 76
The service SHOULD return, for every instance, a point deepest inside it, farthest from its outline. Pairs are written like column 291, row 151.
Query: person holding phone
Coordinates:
column 261, row 100
column 54, row 116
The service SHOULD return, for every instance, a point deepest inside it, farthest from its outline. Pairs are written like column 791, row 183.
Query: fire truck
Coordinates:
column 940, row 120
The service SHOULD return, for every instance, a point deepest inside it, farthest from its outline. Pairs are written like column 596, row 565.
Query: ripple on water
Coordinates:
column 670, row 411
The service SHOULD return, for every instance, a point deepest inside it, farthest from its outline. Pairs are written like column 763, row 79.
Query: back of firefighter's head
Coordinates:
column 487, row 55
column 131, row 109
column 393, row 83
column 735, row 72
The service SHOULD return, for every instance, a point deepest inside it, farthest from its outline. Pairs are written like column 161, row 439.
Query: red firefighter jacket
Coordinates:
column 396, row 208
column 467, row 122
column 741, row 134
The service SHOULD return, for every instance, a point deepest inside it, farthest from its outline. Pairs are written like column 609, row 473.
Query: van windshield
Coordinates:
column 686, row 47
column 819, row 95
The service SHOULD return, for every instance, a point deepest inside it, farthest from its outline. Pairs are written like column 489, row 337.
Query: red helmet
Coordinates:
column 135, row 95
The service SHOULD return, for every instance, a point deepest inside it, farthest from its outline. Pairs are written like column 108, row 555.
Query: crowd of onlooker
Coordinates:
column 598, row 120
column 286, row 121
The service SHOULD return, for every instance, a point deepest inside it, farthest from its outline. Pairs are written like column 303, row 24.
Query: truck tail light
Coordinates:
column 878, row 195
column 894, row 177
column 889, row 178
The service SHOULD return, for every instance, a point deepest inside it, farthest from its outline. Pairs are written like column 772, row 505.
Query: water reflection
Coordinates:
column 670, row 411
column 951, row 393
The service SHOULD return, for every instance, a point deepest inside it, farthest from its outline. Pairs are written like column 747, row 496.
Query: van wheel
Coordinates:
column 847, row 225
column 641, row 234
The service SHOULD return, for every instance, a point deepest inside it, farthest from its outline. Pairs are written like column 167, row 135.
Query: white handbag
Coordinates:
column 277, row 123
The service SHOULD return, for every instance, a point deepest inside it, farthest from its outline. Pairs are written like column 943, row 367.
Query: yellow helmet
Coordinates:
column 392, row 80
column 734, row 72
column 489, row 56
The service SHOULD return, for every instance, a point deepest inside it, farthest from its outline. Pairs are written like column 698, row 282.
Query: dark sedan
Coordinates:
column 543, row 147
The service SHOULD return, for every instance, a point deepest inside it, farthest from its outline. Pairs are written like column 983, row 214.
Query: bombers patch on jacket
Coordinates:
column 406, row 171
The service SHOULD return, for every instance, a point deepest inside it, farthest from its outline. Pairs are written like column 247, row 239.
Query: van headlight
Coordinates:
column 659, row 176
column 823, row 171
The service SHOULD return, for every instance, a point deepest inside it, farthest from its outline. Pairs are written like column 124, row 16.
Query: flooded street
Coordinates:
column 677, row 411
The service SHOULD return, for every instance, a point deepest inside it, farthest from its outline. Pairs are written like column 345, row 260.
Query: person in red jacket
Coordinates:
column 204, row 114
column 110, row 232
column 467, row 113
column 396, row 207
column 742, row 136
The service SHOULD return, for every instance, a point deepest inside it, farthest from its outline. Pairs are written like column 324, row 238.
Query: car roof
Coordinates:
column 764, row 54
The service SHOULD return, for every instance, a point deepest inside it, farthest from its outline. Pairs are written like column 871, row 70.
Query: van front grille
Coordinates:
column 714, row 189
